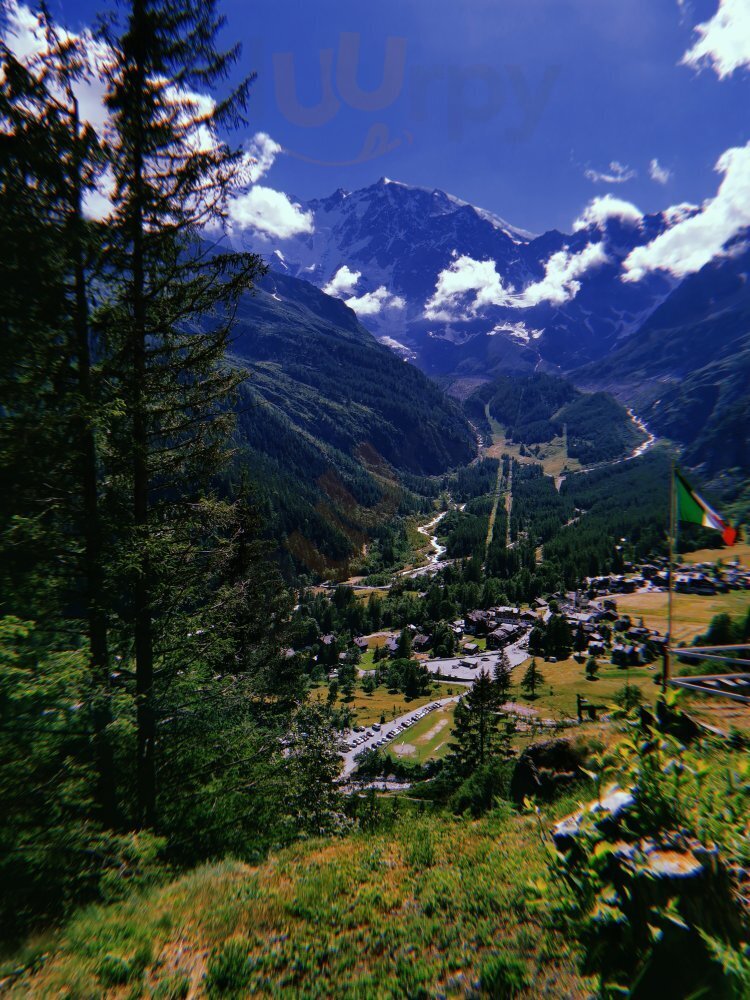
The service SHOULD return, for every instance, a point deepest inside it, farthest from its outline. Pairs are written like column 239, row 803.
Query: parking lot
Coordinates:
column 378, row 735
column 466, row 668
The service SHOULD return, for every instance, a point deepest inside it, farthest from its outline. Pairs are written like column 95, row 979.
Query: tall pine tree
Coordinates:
column 476, row 724
column 169, row 316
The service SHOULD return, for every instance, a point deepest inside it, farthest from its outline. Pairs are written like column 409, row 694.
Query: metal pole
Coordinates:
column 670, row 579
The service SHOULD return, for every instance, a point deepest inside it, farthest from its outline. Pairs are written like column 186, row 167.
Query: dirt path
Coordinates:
column 440, row 724
column 508, row 505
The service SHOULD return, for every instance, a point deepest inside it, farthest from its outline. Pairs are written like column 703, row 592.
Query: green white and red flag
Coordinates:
column 691, row 507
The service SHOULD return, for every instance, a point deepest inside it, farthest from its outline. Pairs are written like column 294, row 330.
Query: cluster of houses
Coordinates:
column 689, row 578
column 633, row 644
column 500, row 625
column 627, row 644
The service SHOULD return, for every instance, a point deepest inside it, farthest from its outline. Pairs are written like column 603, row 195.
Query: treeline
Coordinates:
column 465, row 533
column 472, row 480
column 320, row 506
column 311, row 358
column 512, row 576
column 598, row 428
column 525, row 405
column 146, row 715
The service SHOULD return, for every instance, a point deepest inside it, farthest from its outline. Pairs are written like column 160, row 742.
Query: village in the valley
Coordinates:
column 610, row 634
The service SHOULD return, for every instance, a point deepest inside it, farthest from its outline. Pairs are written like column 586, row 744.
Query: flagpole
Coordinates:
column 670, row 578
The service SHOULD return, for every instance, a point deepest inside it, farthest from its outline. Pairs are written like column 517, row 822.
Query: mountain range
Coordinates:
column 467, row 296
column 460, row 291
column 687, row 369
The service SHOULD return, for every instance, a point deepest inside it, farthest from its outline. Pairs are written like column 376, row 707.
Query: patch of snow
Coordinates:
column 517, row 331
column 397, row 347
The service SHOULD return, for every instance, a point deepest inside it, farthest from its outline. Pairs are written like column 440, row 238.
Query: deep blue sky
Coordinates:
column 505, row 103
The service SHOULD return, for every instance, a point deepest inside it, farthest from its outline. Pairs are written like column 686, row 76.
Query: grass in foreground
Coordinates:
column 432, row 906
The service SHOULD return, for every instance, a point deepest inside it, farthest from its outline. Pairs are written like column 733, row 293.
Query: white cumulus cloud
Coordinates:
column 466, row 287
column 605, row 207
column 678, row 213
column 343, row 282
column 561, row 273
column 696, row 238
column 658, row 173
column 269, row 212
column 25, row 36
column 724, row 41
column 616, row 173
column 372, row 303
column 260, row 153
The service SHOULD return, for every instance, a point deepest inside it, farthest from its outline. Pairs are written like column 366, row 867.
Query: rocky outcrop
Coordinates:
column 647, row 877
column 544, row 769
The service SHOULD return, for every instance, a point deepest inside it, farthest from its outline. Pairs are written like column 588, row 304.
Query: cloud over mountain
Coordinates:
column 270, row 213
column 343, row 282
column 561, row 273
column 371, row 303
column 695, row 239
column 605, row 207
column 468, row 286
column 724, row 41
column 465, row 288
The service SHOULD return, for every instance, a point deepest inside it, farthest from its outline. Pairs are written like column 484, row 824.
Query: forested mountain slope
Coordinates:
column 340, row 385
column 537, row 408
column 687, row 369
column 330, row 420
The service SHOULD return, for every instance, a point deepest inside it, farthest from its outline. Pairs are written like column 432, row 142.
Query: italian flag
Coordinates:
column 693, row 508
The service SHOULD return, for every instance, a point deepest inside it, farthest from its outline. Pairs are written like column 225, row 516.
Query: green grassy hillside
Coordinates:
column 423, row 906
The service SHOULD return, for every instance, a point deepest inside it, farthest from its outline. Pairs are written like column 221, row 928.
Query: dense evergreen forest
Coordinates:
column 536, row 408
column 335, row 435
column 143, row 687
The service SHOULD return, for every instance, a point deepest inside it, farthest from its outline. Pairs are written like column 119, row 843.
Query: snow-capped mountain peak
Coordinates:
column 461, row 288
